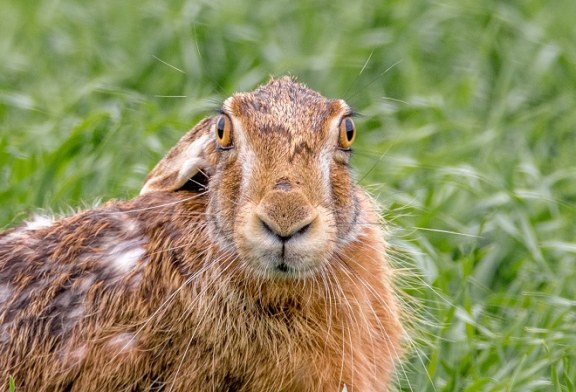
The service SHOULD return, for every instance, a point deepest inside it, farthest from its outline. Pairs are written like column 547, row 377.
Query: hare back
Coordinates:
column 78, row 290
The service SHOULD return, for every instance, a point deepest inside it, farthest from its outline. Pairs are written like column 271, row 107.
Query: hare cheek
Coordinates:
column 255, row 246
column 311, row 251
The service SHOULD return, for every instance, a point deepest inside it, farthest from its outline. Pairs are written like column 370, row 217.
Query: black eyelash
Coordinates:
column 353, row 113
column 218, row 110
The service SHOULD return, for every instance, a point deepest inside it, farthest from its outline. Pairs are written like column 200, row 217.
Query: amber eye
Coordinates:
column 223, row 131
column 347, row 133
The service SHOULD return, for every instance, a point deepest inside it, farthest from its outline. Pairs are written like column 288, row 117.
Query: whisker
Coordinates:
column 170, row 65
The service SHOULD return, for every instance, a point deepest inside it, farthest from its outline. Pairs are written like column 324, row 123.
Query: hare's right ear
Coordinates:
column 187, row 159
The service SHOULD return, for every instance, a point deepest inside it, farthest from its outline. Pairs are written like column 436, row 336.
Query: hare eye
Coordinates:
column 347, row 133
column 223, row 131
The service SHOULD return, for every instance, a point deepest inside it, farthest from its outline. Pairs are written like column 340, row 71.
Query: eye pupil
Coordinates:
column 220, row 127
column 349, row 129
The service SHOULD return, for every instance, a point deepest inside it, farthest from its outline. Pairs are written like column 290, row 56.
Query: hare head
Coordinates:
column 276, row 165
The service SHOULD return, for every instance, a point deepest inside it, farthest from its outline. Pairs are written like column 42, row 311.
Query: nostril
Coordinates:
column 303, row 229
column 273, row 232
column 268, row 228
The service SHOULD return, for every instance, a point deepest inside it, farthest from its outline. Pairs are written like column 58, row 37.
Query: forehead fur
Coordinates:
column 284, row 106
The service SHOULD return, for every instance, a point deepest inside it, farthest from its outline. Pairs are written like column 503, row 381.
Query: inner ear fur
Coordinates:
column 186, row 165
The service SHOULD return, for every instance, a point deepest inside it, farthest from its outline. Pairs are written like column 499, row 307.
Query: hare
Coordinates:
column 250, row 261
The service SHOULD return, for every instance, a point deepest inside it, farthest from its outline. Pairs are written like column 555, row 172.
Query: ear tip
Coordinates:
column 151, row 187
column 162, row 180
column 182, row 162
column 145, row 189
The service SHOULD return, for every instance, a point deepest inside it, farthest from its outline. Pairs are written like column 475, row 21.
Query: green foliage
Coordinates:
column 467, row 139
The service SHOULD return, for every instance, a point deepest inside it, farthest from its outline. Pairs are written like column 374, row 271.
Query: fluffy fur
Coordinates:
column 257, row 267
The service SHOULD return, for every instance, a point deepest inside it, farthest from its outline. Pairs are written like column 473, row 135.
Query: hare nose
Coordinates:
column 285, row 214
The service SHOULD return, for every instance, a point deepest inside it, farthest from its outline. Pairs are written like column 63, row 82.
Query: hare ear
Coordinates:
column 188, row 158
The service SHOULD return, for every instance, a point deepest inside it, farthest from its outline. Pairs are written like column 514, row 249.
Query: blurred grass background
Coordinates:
column 468, row 140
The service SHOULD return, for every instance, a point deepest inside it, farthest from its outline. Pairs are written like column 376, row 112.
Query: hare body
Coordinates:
column 250, row 262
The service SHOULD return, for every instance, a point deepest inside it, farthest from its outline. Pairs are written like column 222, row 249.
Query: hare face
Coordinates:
column 276, row 165
column 282, row 195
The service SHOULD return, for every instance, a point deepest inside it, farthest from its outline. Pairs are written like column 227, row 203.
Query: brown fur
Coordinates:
column 273, row 278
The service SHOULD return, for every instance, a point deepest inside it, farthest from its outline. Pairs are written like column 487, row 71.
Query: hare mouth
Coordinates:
column 293, row 265
column 287, row 267
column 269, row 257
column 283, row 269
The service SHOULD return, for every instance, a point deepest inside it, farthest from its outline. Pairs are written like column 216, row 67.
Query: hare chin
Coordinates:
column 297, row 258
column 288, row 269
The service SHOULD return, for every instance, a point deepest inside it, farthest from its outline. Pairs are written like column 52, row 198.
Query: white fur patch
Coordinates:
column 72, row 356
column 23, row 232
column 123, row 256
column 76, row 312
column 130, row 227
column 119, row 253
column 78, row 354
column 39, row 222
column 5, row 291
column 84, row 285
column 123, row 342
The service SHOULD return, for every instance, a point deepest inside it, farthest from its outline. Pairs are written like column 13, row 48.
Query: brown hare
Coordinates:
column 251, row 261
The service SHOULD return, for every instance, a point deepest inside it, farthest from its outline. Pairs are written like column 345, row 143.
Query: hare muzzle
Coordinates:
column 285, row 234
column 286, row 215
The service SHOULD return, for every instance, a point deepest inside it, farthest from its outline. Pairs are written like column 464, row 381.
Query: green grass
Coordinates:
column 468, row 140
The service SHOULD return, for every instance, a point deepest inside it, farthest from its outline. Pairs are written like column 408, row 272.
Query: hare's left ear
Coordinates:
column 188, row 158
